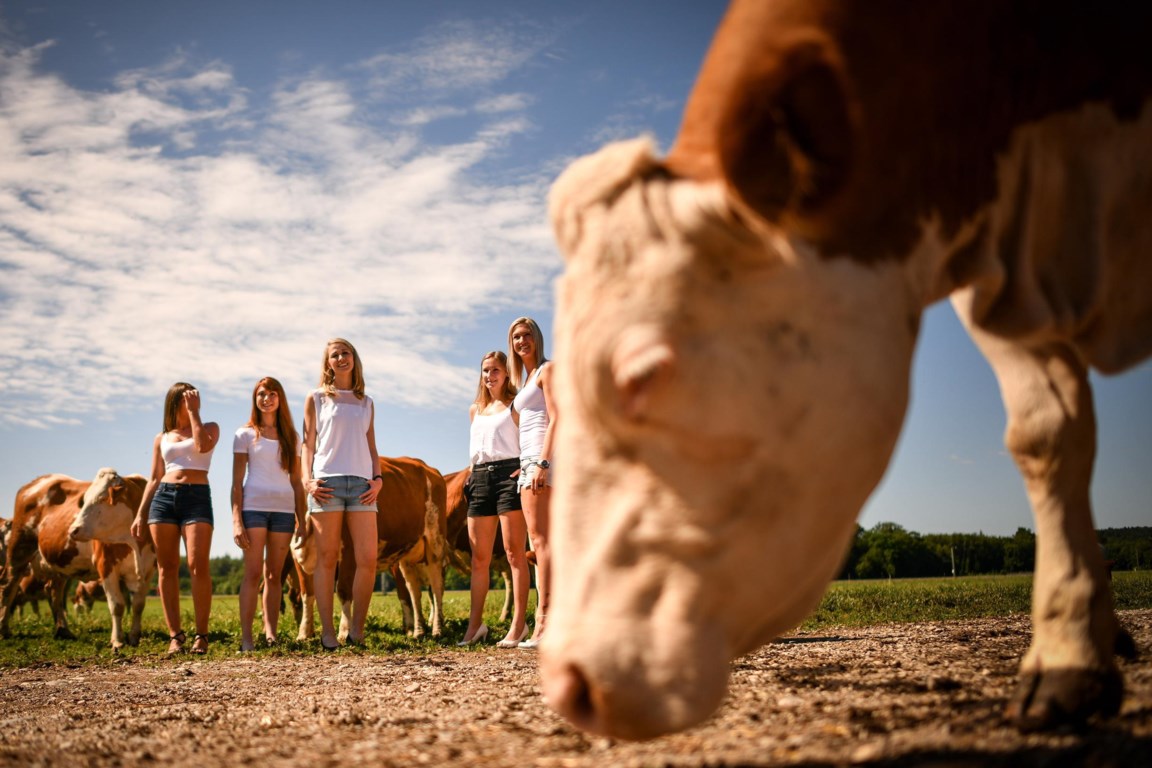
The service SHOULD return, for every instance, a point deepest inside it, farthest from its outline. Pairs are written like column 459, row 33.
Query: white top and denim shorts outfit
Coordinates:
column 342, row 459
column 268, row 498
column 182, row 503
column 533, row 410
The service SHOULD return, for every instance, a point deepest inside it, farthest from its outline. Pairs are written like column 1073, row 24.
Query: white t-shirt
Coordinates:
column 266, row 486
column 494, row 437
column 342, row 435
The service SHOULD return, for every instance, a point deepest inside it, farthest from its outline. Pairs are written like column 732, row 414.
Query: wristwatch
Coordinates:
column 543, row 464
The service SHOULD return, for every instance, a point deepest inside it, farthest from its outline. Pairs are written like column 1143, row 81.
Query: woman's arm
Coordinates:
column 376, row 483
column 300, row 498
column 204, row 436
column 308, row 444
column 239, row 466
column 140, row 523
column 545, row 382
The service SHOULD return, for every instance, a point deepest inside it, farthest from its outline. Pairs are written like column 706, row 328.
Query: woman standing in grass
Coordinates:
column 494, row 448
column 177, row 504
column 340, row 470
column 267, row 503
column 535, row 407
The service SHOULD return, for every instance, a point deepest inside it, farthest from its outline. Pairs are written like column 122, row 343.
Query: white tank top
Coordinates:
column 182, row 454
column 493, row 437
column 342, row 435
column 266, row 486
column 529, row 403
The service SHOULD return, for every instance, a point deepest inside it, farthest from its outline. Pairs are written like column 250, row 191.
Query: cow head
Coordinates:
column 107, row 510
column 727, row 399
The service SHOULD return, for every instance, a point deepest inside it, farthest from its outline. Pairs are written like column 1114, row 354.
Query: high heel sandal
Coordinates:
column 198, row 649
column 512, row 642
column 176, row 643
column 480, row 635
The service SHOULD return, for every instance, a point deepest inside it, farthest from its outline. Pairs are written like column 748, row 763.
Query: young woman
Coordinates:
column 341, row 475
column 494, row 447
column 177, row 504
column 267, row 502
column 536, row 412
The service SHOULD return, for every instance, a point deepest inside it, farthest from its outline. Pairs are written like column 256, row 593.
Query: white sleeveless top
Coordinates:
column 494, row 437
column 529, row 403
column 182, row 454
column 266, row 486
column 342, row 435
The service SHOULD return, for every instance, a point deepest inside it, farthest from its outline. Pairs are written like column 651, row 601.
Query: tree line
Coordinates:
column 889, row 551
column 884, row 551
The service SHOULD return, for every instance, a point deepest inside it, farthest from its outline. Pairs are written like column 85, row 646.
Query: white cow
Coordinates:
column 736, row 325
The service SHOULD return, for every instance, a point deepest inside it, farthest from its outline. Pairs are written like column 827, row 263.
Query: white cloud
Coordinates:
column 138, row 246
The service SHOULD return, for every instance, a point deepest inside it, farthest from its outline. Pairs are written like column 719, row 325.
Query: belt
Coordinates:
column 492, row 466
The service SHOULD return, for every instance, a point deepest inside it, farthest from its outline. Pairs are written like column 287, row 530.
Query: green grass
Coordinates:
column 847, row 603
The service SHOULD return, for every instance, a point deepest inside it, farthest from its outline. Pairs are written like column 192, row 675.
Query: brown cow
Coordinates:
column 840, row 167
column 105, row 518
column 87, row 593
column 411, row 529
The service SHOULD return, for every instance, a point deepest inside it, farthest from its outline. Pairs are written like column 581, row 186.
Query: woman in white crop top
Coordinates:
column 535, row 407
column 177, row 504
column 341, row 475
column 267, row 503
column 494, row 451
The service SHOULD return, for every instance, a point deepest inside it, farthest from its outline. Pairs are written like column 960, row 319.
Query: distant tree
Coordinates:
column 1020, row 552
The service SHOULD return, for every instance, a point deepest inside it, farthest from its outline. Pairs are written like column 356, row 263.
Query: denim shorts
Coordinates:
column 528, row 469
column 492, row 489
column 275, row 522
column 346, row 493
column 181, row 503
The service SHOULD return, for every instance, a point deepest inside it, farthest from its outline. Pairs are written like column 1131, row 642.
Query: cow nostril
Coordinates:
column 572, row 696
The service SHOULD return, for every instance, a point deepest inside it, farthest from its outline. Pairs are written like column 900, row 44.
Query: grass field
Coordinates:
column 847, row 603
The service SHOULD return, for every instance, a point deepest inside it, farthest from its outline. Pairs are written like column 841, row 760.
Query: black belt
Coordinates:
column 492, row 466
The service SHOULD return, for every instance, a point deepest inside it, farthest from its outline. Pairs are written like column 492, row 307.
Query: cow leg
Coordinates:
column 414, row 576
column 116, row 609
column 506, row 571
column 436, row 579
column 57, row 590
column 21, row 549
column 404, row 596
column 1068, row 673
column 345, row 575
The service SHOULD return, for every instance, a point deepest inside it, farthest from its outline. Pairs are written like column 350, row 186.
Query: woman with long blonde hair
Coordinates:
column 341, row 474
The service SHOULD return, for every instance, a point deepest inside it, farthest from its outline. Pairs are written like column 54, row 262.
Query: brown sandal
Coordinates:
column 176, row 643
column 197, row 648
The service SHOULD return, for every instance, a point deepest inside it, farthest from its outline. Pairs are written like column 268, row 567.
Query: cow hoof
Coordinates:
column 62, row 633
column 1067, row 697
column 134, row 641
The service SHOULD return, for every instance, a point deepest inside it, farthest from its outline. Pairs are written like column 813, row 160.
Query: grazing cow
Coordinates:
column 109, row 505
column 87, row 593
column 737, row 321
column 411, row 528
column 43, row 511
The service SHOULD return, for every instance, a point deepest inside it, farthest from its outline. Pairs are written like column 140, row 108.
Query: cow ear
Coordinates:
column 785, row 136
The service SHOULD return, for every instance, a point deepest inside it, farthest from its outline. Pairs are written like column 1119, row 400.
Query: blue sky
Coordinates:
column 207, row 191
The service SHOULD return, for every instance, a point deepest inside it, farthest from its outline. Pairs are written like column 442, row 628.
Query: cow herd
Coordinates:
column 66, row 531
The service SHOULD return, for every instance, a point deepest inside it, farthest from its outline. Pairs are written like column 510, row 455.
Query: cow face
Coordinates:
column 106, row 512
column 726, row 402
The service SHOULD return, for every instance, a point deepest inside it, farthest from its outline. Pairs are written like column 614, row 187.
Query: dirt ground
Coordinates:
column 895, row 695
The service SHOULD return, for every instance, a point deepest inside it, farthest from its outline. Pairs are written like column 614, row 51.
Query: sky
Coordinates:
column 207, row 192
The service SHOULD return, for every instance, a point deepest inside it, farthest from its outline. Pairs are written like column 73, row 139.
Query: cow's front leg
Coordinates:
column 1069, row 673
column 115, row 609
column 57, row 589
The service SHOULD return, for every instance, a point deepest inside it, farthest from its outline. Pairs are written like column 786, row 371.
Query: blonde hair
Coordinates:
column 285, row 430
column 519, row 375
column 328, row 376
column 483, row 396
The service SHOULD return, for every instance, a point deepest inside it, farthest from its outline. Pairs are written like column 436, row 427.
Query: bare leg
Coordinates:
column 274, row 566
column 536, row 515
column 515, row 533
column 362, row 527
column 166, row 537
column 481, row 535
column 327, row 526
column 253, row 565
column 198, row 542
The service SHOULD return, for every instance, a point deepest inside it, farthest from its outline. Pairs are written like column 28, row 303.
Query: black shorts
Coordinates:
column 492, row 489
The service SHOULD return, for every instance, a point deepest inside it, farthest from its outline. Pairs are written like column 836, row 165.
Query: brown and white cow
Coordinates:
column 86, row 595
column 411, row 529
column 736, row 325
column 109, row 505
